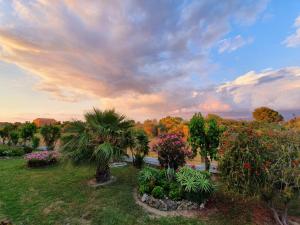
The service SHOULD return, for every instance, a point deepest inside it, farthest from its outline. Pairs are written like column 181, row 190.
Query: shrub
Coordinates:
column 157, row 192
column 27, row 149
column 175, row 191
column 172, row 151
column 197, row 185
column 43, row 158
column 145, row 188
column 11, row 151
column 35, row 142
column 263, row 163
column 149, row 177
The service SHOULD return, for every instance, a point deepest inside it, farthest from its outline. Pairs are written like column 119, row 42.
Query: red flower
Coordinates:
column 247, row 166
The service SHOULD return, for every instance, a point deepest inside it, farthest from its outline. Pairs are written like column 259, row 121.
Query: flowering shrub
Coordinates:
column 263, row 163
column 42, row 158
column 172, row 151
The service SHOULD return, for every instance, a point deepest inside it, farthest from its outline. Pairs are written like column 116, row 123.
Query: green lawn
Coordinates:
column 59, row 195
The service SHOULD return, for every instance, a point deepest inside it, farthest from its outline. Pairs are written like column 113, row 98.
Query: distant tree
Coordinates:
column 150, row 127
column 204, row 137
column 294, row 123
column 213, row 116
column 2, row 136
column 27, row 130
column 14, row 137
column 50, row 133
column 172, row 124
column 5, row 133
column 35, row 142
column 266, row 114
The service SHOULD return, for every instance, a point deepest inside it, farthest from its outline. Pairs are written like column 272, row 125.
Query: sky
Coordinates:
column 148, row 59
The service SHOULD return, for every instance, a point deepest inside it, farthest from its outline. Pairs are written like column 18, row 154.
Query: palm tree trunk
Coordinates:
column 102, row 174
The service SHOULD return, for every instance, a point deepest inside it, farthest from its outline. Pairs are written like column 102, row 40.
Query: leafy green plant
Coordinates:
column 204, row 137
column 157, row 192
column 197, row 185
column 175, row 191
column 148, row 174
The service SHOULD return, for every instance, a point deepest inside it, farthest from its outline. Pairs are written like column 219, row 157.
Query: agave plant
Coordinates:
column 97, row 140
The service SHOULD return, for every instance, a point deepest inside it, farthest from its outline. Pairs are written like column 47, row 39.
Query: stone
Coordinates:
column 202, row 206
column 193, row 206
column 145, row 198
column 154, row 202
column 183, row 205
column 162, row 206
column 172, row 205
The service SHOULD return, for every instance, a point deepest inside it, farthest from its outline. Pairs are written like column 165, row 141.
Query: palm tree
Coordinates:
column 97, row 140
column 138, row 145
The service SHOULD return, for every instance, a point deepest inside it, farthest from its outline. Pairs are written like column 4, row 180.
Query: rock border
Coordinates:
column 94, row 184
column 159, row 213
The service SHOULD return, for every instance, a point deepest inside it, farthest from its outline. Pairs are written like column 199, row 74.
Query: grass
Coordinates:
column 59, row 195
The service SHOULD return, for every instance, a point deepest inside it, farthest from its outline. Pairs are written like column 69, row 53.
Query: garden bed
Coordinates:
column 169, row 204
column 160, row 212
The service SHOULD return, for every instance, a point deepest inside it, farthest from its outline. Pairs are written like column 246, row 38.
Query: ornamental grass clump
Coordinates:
column 43, row 158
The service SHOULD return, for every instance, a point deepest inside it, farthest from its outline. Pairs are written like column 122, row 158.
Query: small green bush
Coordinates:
column 35, row 142
column 144, row 188
column 157, row 192
column 27, row 149
column 175, row 192
column 11, row 151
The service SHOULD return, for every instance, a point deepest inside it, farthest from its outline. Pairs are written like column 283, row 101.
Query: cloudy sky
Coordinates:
column 148, row 59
